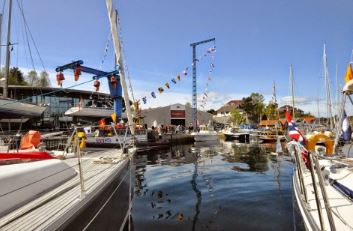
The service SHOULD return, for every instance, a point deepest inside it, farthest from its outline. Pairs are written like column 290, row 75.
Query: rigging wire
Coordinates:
column 26, row 39
column 30, row 34
column 123, row 54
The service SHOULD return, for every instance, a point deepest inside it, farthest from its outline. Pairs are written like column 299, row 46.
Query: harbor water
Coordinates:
column 217, row 186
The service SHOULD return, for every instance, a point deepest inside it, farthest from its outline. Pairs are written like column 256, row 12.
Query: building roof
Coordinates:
column 308, row 119
column 271, row 122
column 227, row 108
column 234, row 102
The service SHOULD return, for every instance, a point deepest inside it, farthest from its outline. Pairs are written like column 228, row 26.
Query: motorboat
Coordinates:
column 112, row 135
column 206, row 133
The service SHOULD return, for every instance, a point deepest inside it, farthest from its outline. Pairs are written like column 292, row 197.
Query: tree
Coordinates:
column 16, row 77
column 237, row 116
column 43, row 80
column 254, row 106
column 188, row 104
column 270, row 111
column 32, row 77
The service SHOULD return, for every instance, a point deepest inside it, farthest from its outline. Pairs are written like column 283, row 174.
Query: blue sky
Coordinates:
column 256, row 42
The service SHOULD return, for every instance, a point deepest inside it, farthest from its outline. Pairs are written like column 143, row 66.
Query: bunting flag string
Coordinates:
column 209, row 78
column 209, row 52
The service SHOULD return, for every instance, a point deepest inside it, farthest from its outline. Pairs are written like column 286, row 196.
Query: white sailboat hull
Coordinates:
column 89, row 112
column 205, row 136
column 16, row 108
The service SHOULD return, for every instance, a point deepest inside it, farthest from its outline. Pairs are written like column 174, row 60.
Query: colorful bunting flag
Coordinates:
column 167, row 85
column 153, row 94
column 160, row 90
column 178, row 77
column 144, row 99
column 174, row 81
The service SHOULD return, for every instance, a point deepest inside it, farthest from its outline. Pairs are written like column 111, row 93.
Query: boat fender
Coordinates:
column 83, row 143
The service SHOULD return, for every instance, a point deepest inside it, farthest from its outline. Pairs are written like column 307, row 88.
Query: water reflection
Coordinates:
column 212, row 187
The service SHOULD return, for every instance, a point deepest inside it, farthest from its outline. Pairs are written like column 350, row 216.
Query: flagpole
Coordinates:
column 292, row 87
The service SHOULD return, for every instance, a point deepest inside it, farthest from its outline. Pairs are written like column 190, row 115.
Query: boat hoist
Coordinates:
column 113, row 78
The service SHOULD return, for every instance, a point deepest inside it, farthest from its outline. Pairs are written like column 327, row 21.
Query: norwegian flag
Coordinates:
column 293, row 131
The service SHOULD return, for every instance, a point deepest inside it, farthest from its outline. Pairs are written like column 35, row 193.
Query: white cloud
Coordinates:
column 298, row 100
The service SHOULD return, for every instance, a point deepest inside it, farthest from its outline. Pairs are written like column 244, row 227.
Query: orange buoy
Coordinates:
column 59, row 78
column 77, row 72
column 96, row 84
column 113, row 80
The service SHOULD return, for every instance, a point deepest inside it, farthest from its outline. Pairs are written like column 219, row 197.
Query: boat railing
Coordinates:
column 308, row 161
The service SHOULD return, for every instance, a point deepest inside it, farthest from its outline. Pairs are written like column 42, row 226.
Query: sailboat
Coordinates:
column 322, row 183
column 10, row 108
column 89, row 192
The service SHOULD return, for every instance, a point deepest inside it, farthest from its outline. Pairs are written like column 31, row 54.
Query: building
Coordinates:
column 226, row 109
column 58, row 100
column 223, row 114
column 176, row 114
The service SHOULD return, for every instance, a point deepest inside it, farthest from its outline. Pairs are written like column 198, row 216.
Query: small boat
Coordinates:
column 206, row 133
column 112, row 135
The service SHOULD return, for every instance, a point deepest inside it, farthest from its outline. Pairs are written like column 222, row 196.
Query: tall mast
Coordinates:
column 0, row 37
column 328, row 90
column 292, row 87
column 112, row 14
column 7, row 64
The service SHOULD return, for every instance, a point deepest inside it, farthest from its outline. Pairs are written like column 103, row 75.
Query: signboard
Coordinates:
column 177, row 114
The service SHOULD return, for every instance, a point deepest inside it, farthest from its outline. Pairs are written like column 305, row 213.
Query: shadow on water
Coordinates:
column 213, row 186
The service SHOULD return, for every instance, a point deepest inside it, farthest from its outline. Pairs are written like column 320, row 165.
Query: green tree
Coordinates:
column 43, row 80
column 16, row 77
column 254, row 106
column 32, row 77
column 271, row 111
column 237, row 116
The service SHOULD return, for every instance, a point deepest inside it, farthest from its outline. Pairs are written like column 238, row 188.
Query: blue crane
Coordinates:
column 194, row 86
column 113, row 81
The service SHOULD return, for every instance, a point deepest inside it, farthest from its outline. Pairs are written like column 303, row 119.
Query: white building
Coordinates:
column 176, row 114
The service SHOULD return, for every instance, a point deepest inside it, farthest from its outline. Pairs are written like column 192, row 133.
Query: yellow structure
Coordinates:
column 320, row 138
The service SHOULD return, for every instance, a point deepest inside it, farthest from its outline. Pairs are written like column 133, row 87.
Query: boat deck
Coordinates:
column 342, row 207
column 53, row 209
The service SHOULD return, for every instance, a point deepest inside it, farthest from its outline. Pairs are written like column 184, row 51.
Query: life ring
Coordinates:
column 313, row 140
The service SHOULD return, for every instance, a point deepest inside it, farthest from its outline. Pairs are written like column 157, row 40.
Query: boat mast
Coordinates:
column 292, row 87
column 328, row 91
column 112, row 14
column 7, row 64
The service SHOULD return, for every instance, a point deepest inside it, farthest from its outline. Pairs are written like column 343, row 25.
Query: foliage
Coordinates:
column 16, row 77
column 271, row 111
column 237, row 116
column 254, row 106
column 32, row 77
column 188, row 104
column 43, row 80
